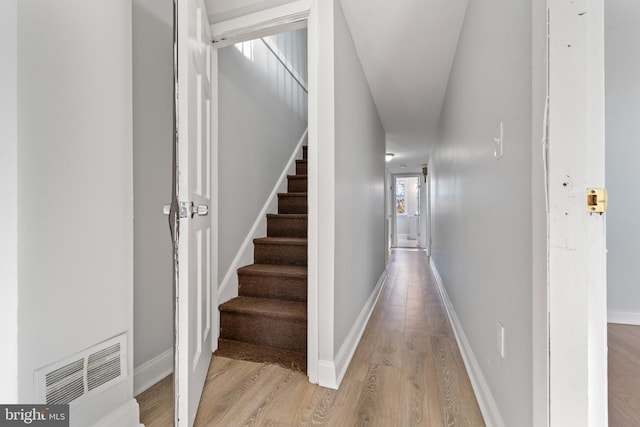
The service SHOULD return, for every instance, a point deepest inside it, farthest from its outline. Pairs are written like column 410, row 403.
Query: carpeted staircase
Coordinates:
column 267, row 322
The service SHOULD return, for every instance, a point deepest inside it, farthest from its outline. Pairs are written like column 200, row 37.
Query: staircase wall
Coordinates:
column 263, row 114
column 359, row 186
column 346, row 198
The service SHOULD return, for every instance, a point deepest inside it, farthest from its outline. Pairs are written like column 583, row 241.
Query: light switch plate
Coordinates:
column 498, row 141
column 500, row 339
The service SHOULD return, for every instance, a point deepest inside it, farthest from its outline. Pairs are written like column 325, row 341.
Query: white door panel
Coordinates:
column 193, row 163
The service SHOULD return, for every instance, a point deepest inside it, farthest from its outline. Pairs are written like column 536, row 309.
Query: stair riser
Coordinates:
column 272, row 287
column 304, row 151
column 292, row 205
column 297, row 185
column 295, row 255
column 287, row 227
column 301, row 167
column 286, row 334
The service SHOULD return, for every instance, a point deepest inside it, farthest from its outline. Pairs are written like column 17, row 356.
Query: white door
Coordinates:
column 190, row 208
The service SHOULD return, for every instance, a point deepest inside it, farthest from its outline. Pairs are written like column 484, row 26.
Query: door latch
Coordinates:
column 597, row 200
column 188, row 209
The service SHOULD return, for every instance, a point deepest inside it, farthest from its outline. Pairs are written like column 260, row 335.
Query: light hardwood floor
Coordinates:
column 407, row 371
column 624, row 375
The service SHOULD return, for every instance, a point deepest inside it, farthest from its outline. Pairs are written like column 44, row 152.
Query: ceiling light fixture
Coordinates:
column 389, row 156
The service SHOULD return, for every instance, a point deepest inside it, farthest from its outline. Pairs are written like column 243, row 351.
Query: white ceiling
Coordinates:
column 406, row 48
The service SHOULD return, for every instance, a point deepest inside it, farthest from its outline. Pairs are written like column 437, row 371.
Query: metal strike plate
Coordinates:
column 597, row 200
column 185, row 209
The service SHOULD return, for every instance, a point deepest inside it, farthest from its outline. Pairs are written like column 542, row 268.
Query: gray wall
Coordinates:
column 359, row 185
column 9, row 196
column 263, row 114
column 482, row 206
column 75, row 187
column 152, row 157
column 622, row 33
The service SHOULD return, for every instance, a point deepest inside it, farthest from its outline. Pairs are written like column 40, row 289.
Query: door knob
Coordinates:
column 200, row 210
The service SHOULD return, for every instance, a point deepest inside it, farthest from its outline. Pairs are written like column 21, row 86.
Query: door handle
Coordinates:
column 200, row 210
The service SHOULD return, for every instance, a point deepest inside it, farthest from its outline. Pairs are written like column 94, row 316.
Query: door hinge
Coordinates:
column 597, row 200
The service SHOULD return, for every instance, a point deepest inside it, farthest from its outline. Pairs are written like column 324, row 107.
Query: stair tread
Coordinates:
column 296, row 176
column 238, row 350
column 292, row 194
column 291, row 216
column 267, row 307
column 272, row 269
column 295, row 241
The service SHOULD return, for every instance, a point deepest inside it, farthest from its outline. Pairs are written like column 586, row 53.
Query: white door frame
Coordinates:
column 394, row 216
column 576, row 238
column 287, row 17
column 428, row 213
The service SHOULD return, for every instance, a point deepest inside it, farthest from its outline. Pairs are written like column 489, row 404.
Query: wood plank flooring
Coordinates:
column 407, row 371
column 624, row 375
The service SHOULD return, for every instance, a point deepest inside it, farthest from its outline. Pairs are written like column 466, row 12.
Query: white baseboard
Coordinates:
column 487, row 403
column 624, row 318
column 152, row 371
column 331, row 372
column 128, row 415
column 229, row 286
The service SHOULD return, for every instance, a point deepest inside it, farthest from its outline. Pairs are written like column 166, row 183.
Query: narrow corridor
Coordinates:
column 407, row 371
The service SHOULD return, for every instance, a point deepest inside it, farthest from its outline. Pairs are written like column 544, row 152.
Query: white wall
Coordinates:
column 9, row 197
column 482, row 230
column 262, row 116
column 359, row 185
column 75, row 187
column 152, row 151
column 622, row 27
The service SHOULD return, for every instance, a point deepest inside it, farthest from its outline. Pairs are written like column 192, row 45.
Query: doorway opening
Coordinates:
column 622, row 106
column 407, row 227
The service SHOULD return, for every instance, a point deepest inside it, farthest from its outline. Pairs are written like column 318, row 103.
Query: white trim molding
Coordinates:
column 128, row 415
column 577, row 301
column 152, row 371
column 624, row 318
column 487, row 403
column 266, row 22
column 331, row 372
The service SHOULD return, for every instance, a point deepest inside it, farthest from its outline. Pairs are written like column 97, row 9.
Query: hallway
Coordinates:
column 406, row 371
